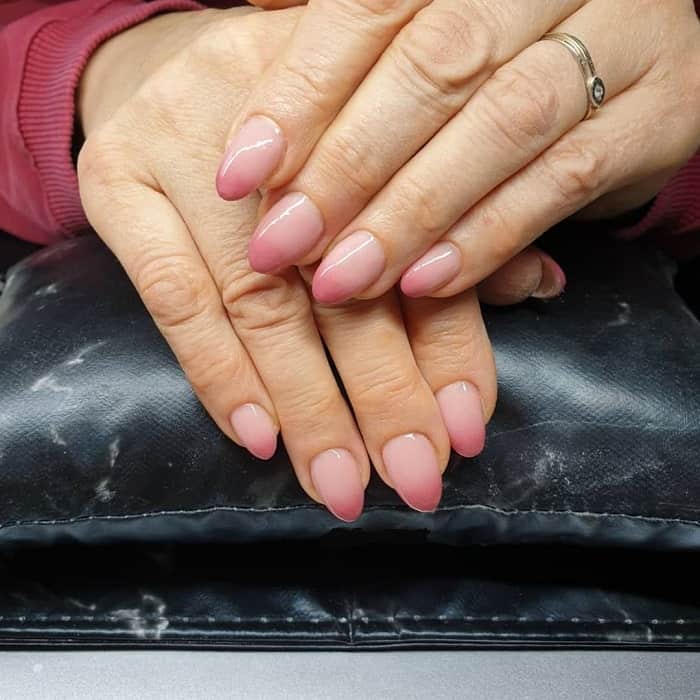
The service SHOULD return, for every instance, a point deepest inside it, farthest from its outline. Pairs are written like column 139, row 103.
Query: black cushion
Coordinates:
column 595, row 440
column 332, row 595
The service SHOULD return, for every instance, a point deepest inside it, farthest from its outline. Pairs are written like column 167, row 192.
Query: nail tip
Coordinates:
column 323, row 297
column 265, row 455
column 351, row 517
column 258, row 263
column 229, row 194
column 429, row 507
column 411, row 293
column 467, row 453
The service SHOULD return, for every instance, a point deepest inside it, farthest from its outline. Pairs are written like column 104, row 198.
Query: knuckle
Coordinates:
column 259, row 303
column 350, row 161
column 226, row 39
column 519, row 106
column 381, row 390
column 577, row 168
column 164, row 106
column 208, row 372
column 307, row 410
column 306, row 84
column 172, row 288
column 423, row 200
column 444, row 51
column 447, row 342
column 101, row 162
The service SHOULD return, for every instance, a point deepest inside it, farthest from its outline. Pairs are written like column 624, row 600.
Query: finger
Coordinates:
column 394, row 406
column 598, row 156
column 453, row 352
column 333, row 46
column 153, row 244
column 517, row 114
column 531, row 273
column 272, row 317
column 429, row 72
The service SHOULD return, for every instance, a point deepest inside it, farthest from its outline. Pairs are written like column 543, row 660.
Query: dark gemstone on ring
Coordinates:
column 598, row 91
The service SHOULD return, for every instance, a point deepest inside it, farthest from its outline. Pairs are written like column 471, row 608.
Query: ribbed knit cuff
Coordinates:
column 57, row 56
column 674, row 214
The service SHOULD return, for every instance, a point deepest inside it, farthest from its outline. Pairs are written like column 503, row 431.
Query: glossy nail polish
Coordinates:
column 251, row 157
column 255, row 429
column 463, row 414
column 285, row 234
column 352, row 266
column 434, row 270
column 553, row 279
column 412, row 465
column 336, row 476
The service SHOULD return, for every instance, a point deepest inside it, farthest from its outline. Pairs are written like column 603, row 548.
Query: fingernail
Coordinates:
column 411, row 463
column 462, row 411
column 349, row 268
column 255, row 430
column 435, row 269
column 553, row 279
column 285, row 234
column 336, row 476
column 251, row 157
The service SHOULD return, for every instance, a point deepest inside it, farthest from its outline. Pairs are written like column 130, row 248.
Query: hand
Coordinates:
column 385, row 127
column 419, row 376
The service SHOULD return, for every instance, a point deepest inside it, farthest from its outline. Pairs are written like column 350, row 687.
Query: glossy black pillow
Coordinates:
column 595, row 441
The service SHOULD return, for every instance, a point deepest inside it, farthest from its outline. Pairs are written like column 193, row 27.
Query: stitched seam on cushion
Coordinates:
column 496, row 619
column 239, row 509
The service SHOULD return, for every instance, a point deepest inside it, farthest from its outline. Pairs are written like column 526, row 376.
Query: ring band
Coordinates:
column 595, row 87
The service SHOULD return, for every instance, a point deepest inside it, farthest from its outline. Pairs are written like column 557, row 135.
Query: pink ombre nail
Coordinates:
column 336, row 476
column 434, row 270
column 352, row 266
column 463, row 414
column 412, row 465
column 286, row 233
column 553, row 279
column 255, row 430
column 251, row 157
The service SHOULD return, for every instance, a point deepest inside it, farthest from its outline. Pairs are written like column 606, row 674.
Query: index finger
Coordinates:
column 333, row 47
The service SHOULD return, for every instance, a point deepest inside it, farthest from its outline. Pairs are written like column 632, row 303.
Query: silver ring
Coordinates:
column 595, row 87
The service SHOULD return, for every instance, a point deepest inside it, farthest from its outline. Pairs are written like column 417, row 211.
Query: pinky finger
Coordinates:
column 453, row 352
column 530, row 274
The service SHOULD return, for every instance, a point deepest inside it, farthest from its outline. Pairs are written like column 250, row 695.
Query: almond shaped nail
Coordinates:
column 412, row 465
column 253, row 154
column 434, row 270
column 255, row 429
column 285, row 234
column 352, row 266
column 463, row 414
column 336, row 476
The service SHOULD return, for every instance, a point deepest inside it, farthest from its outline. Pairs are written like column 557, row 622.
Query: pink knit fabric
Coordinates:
column 42, row 54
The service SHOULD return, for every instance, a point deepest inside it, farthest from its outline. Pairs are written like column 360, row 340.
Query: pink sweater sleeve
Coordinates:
column 44, row 46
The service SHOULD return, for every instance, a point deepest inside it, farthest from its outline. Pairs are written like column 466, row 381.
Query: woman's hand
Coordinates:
column 419, row 376
column 435, row 140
